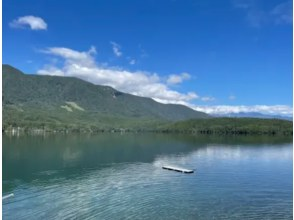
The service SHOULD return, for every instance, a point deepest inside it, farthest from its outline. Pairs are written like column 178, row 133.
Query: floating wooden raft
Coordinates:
column 178, row 169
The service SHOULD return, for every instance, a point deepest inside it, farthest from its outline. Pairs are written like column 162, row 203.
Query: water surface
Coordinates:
column 113, row 176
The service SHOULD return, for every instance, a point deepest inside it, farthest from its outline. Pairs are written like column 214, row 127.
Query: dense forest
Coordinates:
column 235, row 126
column 212, row 126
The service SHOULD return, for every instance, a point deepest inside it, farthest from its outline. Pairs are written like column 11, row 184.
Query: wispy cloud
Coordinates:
column 116, row 49
column 177, row 78
column 132, row 62
column 82, row 65
column 282, row 13
column 257, row 16
column 243, row 4
column 232, row 97
column 207, row 99
column 32, row 22
column 72, row 56
column 143, row 53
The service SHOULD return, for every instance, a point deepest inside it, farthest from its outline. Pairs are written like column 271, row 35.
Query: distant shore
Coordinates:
column 18, row 131
column 213, row 126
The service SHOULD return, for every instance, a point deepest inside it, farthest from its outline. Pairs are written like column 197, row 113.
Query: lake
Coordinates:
column 120, row 176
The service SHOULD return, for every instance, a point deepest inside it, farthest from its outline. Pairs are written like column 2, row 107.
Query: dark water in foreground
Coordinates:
column 120, row 177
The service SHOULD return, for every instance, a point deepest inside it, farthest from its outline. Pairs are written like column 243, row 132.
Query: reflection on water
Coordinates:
column 120, row 177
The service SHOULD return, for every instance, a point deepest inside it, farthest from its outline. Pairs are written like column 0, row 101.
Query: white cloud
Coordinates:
column 69, row 53
column 34, row 23
column 232, row 97
column 207, row 99
column 92, row 50
column 116, row 49
column 82, row 65
column 264, row 109
column 73, row 57
column 51, row 70
column 176, row 79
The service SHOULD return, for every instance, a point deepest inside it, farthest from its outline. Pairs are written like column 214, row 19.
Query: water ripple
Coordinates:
column 146, row 191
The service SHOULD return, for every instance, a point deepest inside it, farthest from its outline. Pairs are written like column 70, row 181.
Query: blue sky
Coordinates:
column 215, row 56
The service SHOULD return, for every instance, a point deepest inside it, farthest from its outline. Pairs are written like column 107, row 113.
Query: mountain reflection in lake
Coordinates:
column 112, row 176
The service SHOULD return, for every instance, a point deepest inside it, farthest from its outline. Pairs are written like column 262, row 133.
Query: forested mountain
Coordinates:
column 54, row 101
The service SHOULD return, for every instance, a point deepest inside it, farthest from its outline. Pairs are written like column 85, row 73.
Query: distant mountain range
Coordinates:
column 253, row 115
column 54, row 101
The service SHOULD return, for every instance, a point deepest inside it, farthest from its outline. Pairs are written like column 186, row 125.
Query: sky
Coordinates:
column 219, row 57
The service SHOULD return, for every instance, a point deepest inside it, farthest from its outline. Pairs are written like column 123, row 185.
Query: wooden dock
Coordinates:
column 178, row 169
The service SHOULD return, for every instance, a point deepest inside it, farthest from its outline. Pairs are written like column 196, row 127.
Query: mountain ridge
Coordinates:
column 60, row 100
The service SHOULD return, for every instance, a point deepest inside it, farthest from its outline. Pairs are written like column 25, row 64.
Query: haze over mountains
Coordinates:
column 52, row 100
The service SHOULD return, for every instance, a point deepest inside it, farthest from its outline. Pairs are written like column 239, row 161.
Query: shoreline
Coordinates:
column 219, row 132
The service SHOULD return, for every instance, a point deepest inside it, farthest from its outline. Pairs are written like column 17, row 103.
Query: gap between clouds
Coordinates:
column 82, row 65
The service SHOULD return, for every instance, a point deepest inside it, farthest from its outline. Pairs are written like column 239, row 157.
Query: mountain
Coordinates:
column 253, row 115
column 54, row 101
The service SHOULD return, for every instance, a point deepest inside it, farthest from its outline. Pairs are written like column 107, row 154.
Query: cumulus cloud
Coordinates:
column 264, row 109
column 116, row 49
column 176, row 79
column 32, row 22
column 82, row 65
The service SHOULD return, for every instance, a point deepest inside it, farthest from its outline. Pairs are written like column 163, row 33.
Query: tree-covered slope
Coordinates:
column 234, row 126
column 58, row 101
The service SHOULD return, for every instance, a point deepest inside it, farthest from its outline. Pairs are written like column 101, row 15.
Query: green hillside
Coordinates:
column 235, row 126
column 34, row 101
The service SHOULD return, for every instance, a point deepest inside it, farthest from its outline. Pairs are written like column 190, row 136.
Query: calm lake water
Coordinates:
column 113, row 176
